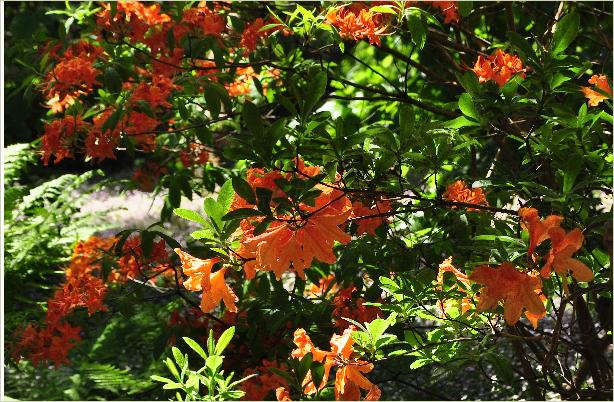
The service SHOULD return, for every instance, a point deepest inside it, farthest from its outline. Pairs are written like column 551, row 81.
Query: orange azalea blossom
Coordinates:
column 156, row 93
column 72, row 76
column 140, row 127
column 499, row 67
column 282, row 394
column 465, row 302
column 594, row 97
column 132, row 19
column 305, row 345
column 361, row 212
column 147, row 175
column 348, row 307
column 559, row 258
column 210, row 22
column 133, row 262
column 101, row 145
column 325, row 286
column 518, row 290
column 350, row 377
column 253, row 34
column 59, row 137
column 214, row 287
column 196, row 154
column 241, row 85
column 82, row 288
column 168, row 65
column 448, row 8
column 257, row 388
column 50, row 343
column 538, row 228
column 459, row 192
column 356, row 21
column 298, row 239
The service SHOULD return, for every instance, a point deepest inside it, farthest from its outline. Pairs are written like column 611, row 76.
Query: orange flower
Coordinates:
column 594, row 97
column 214, row 287
column 356, row 21
column 297, row 244
column 349, row 379
column 325, row 285
column 101, row 145
column 348, row 307
column 499, row 67
column 538, row 228
column 282, row 394
column 305, row 345
column 368, row 225
column 198, row 271
column 146, row 175
column 196, row 153
column 132, row 19
column 59, row 137
column 72, row 76
column 518, row 290
column 459, row 192
column 140, row 127
column 465, row 302
column 243, row 80
column 156, row 93
column 210, row 22
column 257, row 388
column 449, row 9
column 564, row 245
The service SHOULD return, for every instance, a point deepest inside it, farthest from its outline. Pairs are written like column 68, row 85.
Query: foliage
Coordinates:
column 218, row 386
column 424, row 186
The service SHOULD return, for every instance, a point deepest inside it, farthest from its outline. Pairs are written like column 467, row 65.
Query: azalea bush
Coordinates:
column 391, row 196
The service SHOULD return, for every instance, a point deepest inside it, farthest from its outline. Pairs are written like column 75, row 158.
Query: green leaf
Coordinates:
column 566, row 31
column 195, row 347
column 264, row 200
column 417, row 30
column 317, row 373
column 224, row 340
column 190, row 215
column 315, row 91
column 202, row 234
column 521, row 44
column 214, row 211
column 377, row 327
column 112, row 80
column 172, row 385
column 383, row 9
column 460, row 122
column 464, row 7
column 172, row 368
column 466, row 105
column 571, row 171
column 241, row 213
column 212, row 97
column 252, row 119
column 244, row 190
column 226, row 196
column 161, row 379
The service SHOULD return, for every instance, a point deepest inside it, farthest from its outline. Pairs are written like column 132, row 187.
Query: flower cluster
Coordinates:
column 459, row 192
column 83, row 287
column 594, row 97
column 499, row 67
column 349, row 377
column 295, row 239
column 357, row 21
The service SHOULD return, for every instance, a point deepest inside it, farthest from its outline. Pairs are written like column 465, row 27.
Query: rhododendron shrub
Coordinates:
column 378, row 200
